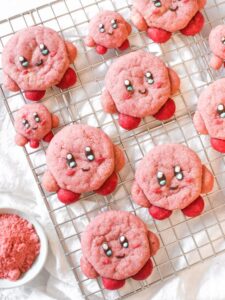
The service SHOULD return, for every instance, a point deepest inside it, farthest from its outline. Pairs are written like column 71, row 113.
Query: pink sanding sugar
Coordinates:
column 19, row 246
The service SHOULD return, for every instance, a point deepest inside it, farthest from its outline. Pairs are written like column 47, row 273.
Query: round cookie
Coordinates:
column 171, row 177
column 217, row 46
column 138, row 85
column 209, row 117
column 35, row 59
column 160, row 18
column 80, row 159
column 33, row 123
column 108, row 30
column 117, row 245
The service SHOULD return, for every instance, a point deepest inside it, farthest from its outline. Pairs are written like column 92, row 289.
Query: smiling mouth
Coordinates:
column 173, row 9
column 120, row 256
column 142, row 91
column 85, row 170
column 173, row 188
column 110, row 33
column 34, row 128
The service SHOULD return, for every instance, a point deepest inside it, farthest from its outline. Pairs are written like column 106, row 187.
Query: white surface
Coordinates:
column 18, row 190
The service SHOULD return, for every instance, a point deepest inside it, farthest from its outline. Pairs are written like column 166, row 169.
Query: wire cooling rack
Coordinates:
column 184, row 241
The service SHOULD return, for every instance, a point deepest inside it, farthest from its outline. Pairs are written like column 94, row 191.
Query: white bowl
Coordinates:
column 41, row 258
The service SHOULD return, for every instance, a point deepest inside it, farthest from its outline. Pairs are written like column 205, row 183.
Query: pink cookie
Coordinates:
column 117, row 245
column 108, row 30
column 217, row 45
column 33, row 123
column 82, row 159
column 210, row 115
column 138, row 85
column 36, row 59
column 160, row 18
column 171, row 177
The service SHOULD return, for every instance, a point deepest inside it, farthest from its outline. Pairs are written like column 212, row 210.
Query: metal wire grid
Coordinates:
column 184, row 242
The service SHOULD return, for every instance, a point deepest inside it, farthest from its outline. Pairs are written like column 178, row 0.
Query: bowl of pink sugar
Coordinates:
column 23, row 248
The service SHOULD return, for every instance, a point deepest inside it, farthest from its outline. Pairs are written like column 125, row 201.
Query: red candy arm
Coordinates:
column 199, row 123
column 138, row 20
column 108, row 103
column 129, row 28
column 49, row 182
column 55, row 121
column 207, row 180
column 89, row 42
column 119, row 158
column 216, row 62
column 9, row 83
column 174, row 80
column 201, row 3
column 138, row 196
column 20, row 140
column 153, row 242
column 71, row 50
column 87, row 268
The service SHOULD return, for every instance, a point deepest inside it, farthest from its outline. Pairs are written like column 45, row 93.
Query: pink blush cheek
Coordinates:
column 136, row 245
column 156, row 11
column 25, row 72
column 100, row 160
column 28, row 131
column 189, row 180
column 158, row 84
column 53, row 53
column 157, row 191
column 43, row 122
column 105, row 261
column 70, row 172
column 218, row 122
column 185, row 1
column 126, row 96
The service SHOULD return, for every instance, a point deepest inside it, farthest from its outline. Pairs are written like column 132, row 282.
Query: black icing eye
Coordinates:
column 24, row 62
column 161, row 178
column 107, row 249
column 157, row 3
column 26, row 123
column 44, row 50
column 89, row 154
column 70, row 161
column 114, row 24
column 36, row 117
column 124, row 242
column 149, row 78
column 221, row 111
column 178, row 173
column 128, row 85
column 223, row 40
column 101, row 28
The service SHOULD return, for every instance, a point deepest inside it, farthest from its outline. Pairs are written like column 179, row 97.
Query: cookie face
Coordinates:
column 109, row 29
column 139, row 84
column 116, row 244
column 33, row 121
column 217, row 41
column 35, row 58
column 170, row 176
column 80, row 158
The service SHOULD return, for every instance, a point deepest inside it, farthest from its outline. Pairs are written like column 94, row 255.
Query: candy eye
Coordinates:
column 70, row 161
column 101, row 28
column 223, row 40
column 128, row 85
column 114, row 24
column 157, row 3
column 36, row 117
column 44, row 50
column 24, row 62
column 26, row 123
column 124, row 242
column 161, row 178
column 89, row 154
column 221, row 111
column 149, row 78
column 178, row 173
column 107, row 249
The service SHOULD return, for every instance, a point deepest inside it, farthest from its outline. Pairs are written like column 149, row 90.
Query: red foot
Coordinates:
column 67, row 197
column 128, row 122
column 144, row 272
column 48, row 137
column 124, row 46
column 195, row 25
column 34, row 144
column 34, row 95
column 159, row 213
column 167, row 111
column 111, row 284
column 158, row 35
column 109, row 186
column 195, row 208
column 101, row 50
column 69, row 79
column 218, row 145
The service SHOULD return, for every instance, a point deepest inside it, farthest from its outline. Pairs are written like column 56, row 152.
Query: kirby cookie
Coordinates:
column 171, row 177
column 33, row 123
column 217, row 46
column 117, row 245
column 210, row 115
column 108, row 30
column 82, row 159
column 138, row 85
column 160, row 18
column 35, row 59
